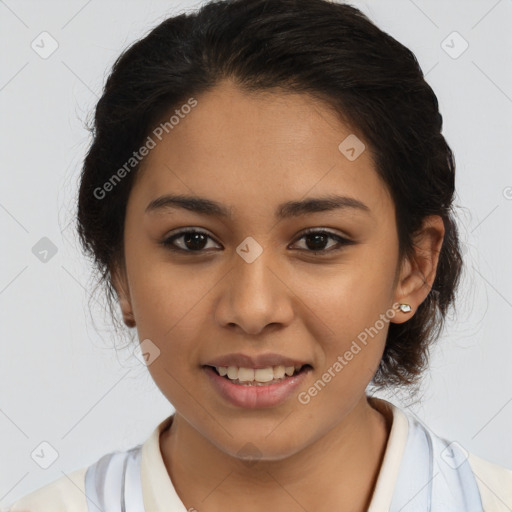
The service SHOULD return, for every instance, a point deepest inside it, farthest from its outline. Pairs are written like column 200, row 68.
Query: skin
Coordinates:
column 252, row 152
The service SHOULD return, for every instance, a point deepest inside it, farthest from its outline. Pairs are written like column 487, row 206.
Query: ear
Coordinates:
column 418, row 272
column 120, row 284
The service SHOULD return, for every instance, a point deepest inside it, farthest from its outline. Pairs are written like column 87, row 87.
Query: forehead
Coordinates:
column 252, row 150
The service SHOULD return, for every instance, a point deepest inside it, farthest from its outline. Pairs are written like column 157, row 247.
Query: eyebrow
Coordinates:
column 285, row 210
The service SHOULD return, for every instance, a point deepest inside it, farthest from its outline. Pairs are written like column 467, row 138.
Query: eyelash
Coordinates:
column 168, row 242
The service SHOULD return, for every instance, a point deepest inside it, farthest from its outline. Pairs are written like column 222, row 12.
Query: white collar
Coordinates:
column 160, row 495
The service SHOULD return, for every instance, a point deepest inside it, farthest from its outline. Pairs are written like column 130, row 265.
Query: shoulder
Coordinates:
column 475, row 477
column 494, row 483
column 66, row 494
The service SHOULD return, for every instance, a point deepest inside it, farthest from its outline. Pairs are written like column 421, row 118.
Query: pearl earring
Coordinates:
column 405, row 308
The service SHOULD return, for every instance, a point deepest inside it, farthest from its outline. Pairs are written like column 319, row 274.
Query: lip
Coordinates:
column 256, row 397
column 258, row 361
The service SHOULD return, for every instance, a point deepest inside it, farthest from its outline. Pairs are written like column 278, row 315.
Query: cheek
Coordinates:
column 167, row 300
column 168, row 311
column 349, row 326
column 161, row 291
column 346, row 310
column 170, row 304
column 347, row 297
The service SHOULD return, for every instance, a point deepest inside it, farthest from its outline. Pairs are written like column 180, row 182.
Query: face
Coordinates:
column 251, row 281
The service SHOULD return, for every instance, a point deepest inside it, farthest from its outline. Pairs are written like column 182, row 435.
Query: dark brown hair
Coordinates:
column 329, row 51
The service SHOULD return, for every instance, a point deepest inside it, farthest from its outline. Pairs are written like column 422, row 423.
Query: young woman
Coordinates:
column 268, row 196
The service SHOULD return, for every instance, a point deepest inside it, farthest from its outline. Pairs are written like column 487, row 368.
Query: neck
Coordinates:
column 337, row 471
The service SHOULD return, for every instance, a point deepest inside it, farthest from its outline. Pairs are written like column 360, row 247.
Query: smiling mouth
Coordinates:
column 259, row 376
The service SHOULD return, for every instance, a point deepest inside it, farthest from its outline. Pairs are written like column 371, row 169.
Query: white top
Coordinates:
column 493, row 482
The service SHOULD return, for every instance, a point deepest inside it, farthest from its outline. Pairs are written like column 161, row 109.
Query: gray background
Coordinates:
column 60, row 379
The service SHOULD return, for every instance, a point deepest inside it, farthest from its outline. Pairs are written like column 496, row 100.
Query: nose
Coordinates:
column 255, row 295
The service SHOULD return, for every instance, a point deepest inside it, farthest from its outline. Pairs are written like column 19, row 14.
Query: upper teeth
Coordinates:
column 258, row 375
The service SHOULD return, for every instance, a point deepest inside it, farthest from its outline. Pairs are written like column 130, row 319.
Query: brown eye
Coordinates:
column 192, row 241
column 317, row 240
